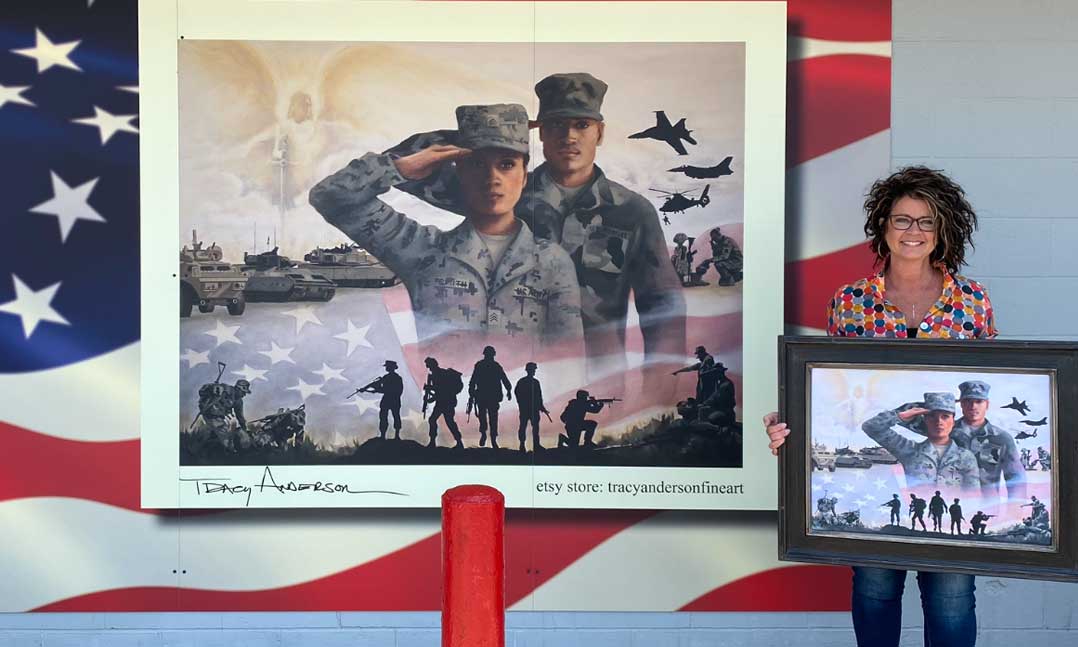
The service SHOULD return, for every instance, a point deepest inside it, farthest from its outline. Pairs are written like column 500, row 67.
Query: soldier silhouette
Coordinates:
column 391, row 387
column 574, row 417
column 530, row 403
column 936, row 507
column 718, row 406
column 978, row 523
column 442, row 387
column 956, row 517
column 706, row 377
column 896, row 506
column 917, row 511
column 485, row 390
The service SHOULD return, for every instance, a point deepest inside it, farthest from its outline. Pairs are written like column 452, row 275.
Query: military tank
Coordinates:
column 350, row 266
column 207, row 282
column 272, row 277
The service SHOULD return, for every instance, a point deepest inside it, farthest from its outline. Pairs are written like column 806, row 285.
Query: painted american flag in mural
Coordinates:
column 69, row 497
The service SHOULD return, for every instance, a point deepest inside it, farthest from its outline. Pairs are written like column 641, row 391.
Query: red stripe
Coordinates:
column 812, row 282
column 833, row 101
column 791, row 588
column 37, row 465
column 539, row 545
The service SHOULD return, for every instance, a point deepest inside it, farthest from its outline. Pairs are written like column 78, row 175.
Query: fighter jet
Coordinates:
column 1022, row 435
column 1020, row 407
column 1037, row 423
column 664, row 132
column 700, row 172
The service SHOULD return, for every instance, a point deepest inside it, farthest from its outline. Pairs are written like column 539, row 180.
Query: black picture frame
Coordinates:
column 798, row 354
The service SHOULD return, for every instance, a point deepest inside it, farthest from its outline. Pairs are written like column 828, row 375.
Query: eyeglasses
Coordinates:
column 902, row 223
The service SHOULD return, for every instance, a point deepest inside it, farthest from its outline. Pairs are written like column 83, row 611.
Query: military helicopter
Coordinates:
column 679, row 201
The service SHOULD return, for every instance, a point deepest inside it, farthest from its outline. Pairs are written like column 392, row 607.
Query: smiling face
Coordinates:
column 569, row 144
column 492, row 180
column 939, row 424
column 913, row 244
column 974, row 411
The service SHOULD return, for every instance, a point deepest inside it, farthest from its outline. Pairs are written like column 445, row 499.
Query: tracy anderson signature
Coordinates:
column 226, row 486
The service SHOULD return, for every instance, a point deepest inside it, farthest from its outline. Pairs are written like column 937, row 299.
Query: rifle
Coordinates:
column 606, row 400
column 278, row 414
column 471, row 404
column 428, row 389
column 547, row 414
column 220, row 371
column 367, row 389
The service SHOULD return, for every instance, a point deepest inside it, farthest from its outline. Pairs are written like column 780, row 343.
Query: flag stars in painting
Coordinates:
column 194, row 358
column 355, row 337
column 827, row 478
column 108, row 124
column 304, row 315
column 362, row 406
column 329, row 373
column 278, row 354
column 880, row 484
column 306, row 390
column 33, row 306
column 47, row 54
column 251, row 374
column 13, row 94
column 69, row 205
column 223, row 333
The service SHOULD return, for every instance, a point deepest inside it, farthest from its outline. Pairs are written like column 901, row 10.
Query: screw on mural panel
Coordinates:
column 473, row 567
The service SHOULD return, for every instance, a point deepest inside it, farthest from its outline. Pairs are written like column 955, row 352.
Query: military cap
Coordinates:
column 499, row 125
column 582, row 393
column 489, row 350
column 576, row 94
column 243, row 385
column 973, row 390
column 940, row 402
column 390, row 364
column 530, row 365
column 700, row 350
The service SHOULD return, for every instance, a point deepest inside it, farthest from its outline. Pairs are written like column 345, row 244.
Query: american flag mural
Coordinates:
column 76, row 538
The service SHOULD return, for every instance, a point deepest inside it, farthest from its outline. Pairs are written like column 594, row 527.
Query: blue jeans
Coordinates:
column 946, row 598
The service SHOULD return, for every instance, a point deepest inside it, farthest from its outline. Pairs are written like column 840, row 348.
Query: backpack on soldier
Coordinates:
column 215, row 400
column 454, row 381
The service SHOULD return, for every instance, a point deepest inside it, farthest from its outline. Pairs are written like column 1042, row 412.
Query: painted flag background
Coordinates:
column 69, row 327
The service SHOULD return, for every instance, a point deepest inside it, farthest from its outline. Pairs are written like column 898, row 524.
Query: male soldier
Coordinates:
column 995, row 449
column 978, row 523
column 488, row 274
column 215, row 403
column 391, row 387
column 1039, row 509
column 485, row 390
column 956, row 517
column 726, row 255
column 706, row 375
column 574, row 418
column 917, row 511
column 571, row 201
column 718, row 408
column 936, row 507
column 530, row 402
column 442, row 387
column 1044, row 458
column 825, row 509
column 937, row 460
column 896, row 506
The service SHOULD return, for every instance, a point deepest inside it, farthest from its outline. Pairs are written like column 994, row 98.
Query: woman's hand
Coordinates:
column 776, row 431
column 420, row 165
column 910, row 414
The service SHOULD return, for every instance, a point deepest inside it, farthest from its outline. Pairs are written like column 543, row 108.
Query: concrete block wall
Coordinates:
column 984, row 89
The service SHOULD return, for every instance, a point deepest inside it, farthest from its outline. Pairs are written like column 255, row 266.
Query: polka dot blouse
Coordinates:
column 962, row 311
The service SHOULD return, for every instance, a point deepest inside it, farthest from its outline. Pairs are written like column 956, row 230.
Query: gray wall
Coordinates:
column 985, row 90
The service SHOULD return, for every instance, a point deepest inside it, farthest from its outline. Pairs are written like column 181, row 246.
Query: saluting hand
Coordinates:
column 910, row 414
column 420, row 165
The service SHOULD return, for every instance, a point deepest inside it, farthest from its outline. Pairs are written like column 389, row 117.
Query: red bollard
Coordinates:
column 473, row 567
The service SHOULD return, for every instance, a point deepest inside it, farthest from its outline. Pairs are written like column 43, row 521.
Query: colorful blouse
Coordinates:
column 963, row 311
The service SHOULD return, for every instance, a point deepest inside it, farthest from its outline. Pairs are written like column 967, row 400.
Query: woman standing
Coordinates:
column 919, row 224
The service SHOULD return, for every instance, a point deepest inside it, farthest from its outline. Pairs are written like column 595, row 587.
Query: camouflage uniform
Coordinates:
column 921, row 462
column 996, row 452
column 451, row 279
column 612, row 234
column 216, row 403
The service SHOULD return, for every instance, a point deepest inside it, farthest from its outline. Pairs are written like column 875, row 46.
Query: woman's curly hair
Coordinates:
column 955, row 218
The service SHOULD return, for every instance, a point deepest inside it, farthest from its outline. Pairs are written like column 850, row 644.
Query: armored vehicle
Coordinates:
column 349, row 266
column 847, row 460
column 878, row 455
column 208, row 282
column 822, row 459
column 273, row 277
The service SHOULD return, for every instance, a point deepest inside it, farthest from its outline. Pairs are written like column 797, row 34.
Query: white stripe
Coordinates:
column 660, row 564
column 825, row 197
column 801, row 48
column 96, row 399
column 56, row 548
